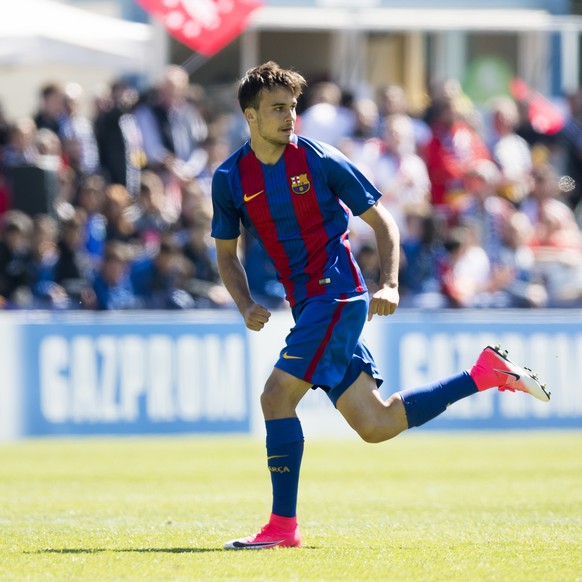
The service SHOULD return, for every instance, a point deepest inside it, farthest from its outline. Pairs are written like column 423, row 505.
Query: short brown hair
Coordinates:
column 267, row 76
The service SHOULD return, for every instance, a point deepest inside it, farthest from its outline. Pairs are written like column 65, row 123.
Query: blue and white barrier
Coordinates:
column 202, row 372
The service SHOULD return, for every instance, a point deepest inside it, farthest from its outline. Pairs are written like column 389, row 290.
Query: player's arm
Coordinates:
column 235, row 280
column 385, row 300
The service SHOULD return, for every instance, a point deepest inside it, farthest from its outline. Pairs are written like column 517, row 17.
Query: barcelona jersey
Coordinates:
column 298, row 209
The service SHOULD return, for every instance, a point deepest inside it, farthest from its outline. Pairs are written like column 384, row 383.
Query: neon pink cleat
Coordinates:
column 280, row 532
column 494, row 369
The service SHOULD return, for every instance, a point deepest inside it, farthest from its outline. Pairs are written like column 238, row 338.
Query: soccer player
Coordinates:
column 295, row 195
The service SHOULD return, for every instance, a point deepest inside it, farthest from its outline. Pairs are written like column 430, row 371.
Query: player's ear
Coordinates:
column 250, row 114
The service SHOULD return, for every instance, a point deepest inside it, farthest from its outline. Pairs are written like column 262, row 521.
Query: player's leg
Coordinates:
column 318, row 350
column 373, row 418
column 281, row 394
column 284, row 442
column 376, row 420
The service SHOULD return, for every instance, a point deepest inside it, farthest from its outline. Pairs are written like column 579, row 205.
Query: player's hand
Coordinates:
column 256, row 316
column 383, row 302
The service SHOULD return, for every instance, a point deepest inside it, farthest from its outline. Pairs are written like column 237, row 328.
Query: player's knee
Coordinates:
column 268, row 398
column 372, row 436
column 368, row 431
column 372, row 431
column 274, row 401
column 281, row 395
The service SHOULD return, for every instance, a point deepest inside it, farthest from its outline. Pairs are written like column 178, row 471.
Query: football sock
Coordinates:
column 423, row 404
column 284, row 453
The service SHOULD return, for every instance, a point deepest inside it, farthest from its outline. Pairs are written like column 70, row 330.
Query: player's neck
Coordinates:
column 266, row 152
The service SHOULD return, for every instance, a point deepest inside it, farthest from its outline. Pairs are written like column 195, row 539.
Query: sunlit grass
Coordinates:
column 426, row 506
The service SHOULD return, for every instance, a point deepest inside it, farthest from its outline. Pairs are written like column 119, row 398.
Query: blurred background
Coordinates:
column 114, row 115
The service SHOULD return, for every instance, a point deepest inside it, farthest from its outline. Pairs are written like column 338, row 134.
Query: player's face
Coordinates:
column 275, row 118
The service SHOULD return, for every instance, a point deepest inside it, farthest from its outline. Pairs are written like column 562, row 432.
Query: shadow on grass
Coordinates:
column 138, row 550
column 143, row 550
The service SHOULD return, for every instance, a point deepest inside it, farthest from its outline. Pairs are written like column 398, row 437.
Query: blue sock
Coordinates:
column 423, row 404
column 284, row 453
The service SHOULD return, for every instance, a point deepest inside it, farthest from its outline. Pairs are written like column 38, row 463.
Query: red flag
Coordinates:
column 544, row 116
column 205, row 26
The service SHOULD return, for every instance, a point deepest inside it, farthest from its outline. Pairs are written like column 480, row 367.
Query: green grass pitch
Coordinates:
column 502, row 506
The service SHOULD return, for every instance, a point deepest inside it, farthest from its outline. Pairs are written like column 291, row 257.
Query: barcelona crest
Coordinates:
column 300, row 184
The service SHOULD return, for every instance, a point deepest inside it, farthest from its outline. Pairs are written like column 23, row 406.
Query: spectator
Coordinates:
column 152, row 217
column 400, row 174
column 117, row 210
column 556, row 240
column 367, row 257
column 68, row 184
column 78, row 134
column 172, row 128
column 572, row 133
column 101, row 100
column 51, row 108
column 516, row 275
column 195, row 204
column 362, row 147
column 90, row 198
column 217, row 150
column 552, row 219
column 73, row 270
column 467, row 270
column 454, row 146
column 119, row 139
column 112, row 285
column 392, row 101
column 158, row 280
column 46, row 292
column 163, row 203
column 483, row 210
column 423, row 259
column 49, row 150
column 442, row 91
column 510, row 151
column 204, row 282
column 325, row 119
column 21, row 147
column 14, row 258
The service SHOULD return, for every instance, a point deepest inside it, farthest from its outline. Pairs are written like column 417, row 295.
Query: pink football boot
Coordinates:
column 280, row 532
column 494, row 369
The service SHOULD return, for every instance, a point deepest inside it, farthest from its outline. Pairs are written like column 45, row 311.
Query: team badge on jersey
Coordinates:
column 300, row 184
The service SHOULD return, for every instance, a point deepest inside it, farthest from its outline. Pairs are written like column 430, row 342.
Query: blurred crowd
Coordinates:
column 112, row 209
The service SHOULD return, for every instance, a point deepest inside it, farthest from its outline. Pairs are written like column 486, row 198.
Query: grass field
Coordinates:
column 427, row 506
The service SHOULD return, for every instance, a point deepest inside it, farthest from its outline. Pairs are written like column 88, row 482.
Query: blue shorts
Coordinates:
column 325, row 347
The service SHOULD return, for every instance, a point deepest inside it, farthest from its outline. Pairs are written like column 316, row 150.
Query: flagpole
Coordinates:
column 187, row 23
column 194, row 62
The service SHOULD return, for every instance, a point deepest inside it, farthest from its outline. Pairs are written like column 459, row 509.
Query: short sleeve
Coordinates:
column 348, row 183
column 225, row 217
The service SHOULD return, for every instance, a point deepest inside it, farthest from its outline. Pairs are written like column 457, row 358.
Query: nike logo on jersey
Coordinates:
column 288, row 357
column 248, row 198
column 276, row 457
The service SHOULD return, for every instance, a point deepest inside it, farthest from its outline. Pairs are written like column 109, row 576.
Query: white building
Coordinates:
column 361, row 44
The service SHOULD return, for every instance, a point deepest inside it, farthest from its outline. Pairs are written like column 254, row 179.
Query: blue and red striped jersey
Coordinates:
column 298, row 209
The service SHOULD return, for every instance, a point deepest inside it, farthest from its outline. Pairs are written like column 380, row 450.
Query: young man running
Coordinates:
column 294, row 195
